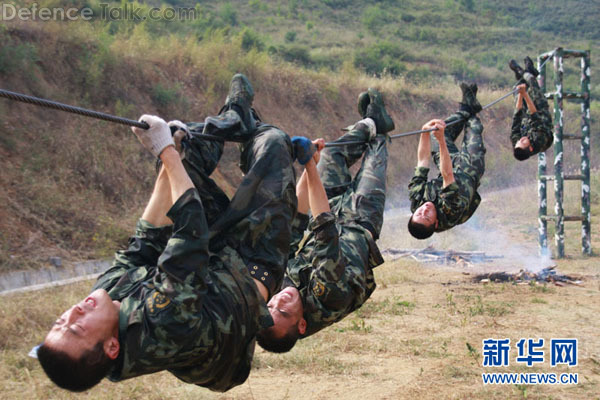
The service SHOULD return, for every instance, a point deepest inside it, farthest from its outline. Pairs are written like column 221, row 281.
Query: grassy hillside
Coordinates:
column 73, row 187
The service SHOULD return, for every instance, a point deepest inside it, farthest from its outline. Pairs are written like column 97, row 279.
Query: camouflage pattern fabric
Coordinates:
column 333, row 267
column 188, row 302
column 538, row 126
column 457, row 202
column 256, row 222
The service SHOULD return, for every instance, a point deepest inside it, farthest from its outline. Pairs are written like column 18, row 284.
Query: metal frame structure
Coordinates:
column 582, row 97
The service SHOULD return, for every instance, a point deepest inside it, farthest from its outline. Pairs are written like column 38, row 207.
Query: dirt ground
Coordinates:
column 418, row 337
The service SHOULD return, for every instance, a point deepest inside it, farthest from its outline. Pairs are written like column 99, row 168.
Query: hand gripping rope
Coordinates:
column 129, row 122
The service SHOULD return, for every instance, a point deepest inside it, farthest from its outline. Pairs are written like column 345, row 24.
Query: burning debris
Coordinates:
column 548, row 274
column 431, row 255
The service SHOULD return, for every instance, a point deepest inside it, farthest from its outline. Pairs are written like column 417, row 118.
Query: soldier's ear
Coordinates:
column 302, row 326
column 112, row 347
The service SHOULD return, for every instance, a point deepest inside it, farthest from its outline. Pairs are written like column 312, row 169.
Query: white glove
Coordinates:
column 179, row 125
column 156, row 138
column 180, row 132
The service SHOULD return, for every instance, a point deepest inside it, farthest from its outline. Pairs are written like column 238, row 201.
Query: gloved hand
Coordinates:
column 303, row 149
column 157, row 137
column 180, row 131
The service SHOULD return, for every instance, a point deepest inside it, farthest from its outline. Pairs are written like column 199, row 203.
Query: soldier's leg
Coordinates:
column 473, row 149
column 257, row 221
column 335, row 163
column 201, row 157
column 235, row 121
column 369, row 188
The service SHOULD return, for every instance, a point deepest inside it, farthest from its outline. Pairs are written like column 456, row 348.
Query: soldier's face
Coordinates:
column 94, row 319
column 286, row 310
column 524, row 143
column 426, row 214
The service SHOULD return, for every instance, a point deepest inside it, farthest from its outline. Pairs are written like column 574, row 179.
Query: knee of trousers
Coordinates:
column 274, row 140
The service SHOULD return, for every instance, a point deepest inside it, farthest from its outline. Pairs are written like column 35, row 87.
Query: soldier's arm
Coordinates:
column 299, row 226
column 424, row 149
column 416, row 187
column 525, row 96
column 445, row 160
column 515, row 129
column 302, row 194
column 317, row 197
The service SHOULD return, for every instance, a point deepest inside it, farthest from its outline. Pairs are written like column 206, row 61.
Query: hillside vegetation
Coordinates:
column 73, row 187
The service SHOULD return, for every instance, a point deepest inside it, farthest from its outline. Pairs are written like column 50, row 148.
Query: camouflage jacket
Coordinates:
column 332, row 269
column 537, row 126
column 454, row 204
column 200, row 329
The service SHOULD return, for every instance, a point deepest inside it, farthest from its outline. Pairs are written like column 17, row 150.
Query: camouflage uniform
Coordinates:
column 188, row 303
column 457, row 202
column 333, row 267
column 537, row 126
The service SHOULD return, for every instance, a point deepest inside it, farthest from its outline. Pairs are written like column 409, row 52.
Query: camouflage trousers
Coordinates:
column 256, row 222
column 362, row 199
column 471, row 158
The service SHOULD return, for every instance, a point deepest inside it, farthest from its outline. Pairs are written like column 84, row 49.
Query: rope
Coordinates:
column 129, row 122
column 85, row 112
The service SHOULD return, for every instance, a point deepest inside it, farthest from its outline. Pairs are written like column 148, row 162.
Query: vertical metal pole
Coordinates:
column 586, row 243
column 542, row 189
column 559, row 235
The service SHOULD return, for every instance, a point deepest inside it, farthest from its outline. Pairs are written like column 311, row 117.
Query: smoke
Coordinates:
column 492, row 234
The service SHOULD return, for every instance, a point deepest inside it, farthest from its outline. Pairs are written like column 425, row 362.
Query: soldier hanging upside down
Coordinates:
column 180, row 298
column 451, row 198
column 531, row 132
column 331, row 274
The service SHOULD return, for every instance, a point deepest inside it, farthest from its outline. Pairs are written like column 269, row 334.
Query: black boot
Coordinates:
column 517, row 69
column 376, row 111
column 469, row 101
column 240, row 99
column 529, row 67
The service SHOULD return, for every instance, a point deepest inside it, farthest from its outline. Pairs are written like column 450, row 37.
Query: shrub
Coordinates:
column 228, row 14
column 251, row 40
column 164, row 96
column 290, row 36
column 384, row 57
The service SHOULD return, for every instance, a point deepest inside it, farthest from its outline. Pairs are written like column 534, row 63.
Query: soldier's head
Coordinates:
column 423, row 222
column 523, row 149
column 83, row 343
column 287, row 310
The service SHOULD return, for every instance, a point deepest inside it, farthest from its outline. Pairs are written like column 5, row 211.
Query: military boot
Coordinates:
column 240, row 98
column 235, row 121
column 529, row 67
column 469, row 102
column 377, row 112
column 516, row 69
column 363, row 103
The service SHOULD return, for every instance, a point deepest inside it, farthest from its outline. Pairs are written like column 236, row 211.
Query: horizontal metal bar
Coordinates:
column 572, row 218
column 571, row 96
column 573, row 53
column 573, row 177
column 547, row 177
column 570, row 136
column 566, row 218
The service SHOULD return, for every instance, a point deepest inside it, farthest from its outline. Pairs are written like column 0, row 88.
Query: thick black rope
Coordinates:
column 130, row 122
column 85, row 112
